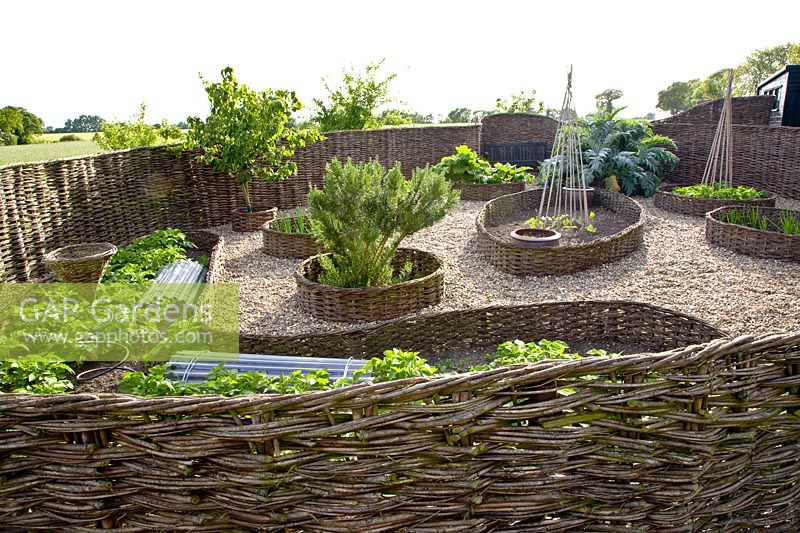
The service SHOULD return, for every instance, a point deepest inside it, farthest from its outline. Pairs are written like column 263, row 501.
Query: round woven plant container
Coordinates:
column 481, row 192
column 698, row 207
column 750, row 241
column 81, row 263
column 244, row 222
column 563, row 259
column 340, row 304
column 288, row 245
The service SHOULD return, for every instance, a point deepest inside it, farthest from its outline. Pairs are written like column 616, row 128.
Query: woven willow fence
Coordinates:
column 705, row 437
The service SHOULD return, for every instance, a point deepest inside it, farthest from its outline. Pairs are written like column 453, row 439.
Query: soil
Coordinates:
column 107, row 382
column 607, row 223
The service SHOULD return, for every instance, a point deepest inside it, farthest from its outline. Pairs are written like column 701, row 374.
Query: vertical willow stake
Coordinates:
column 568, row 170
column 719, row 167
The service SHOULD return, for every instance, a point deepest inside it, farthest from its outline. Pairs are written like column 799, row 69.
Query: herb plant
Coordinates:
column 363, row 214
column 752, row 217
column 719, row 192
column 36, row 374
column 247, row 134
column 296, row 223
column 141, row 260
column 394, row 365
column 563, row 222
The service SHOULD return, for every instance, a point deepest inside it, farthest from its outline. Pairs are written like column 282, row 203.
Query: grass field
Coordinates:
column 25, row 153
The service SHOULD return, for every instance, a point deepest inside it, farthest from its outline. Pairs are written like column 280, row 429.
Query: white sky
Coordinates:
column 64, row 58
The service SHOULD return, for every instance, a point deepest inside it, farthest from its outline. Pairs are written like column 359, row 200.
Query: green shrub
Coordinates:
column 141, row 260
column 394, row 365
column 124, row 135
column 719, row 192
column 518, row 352
column 69, row 138
column 465, row 166
column 363, row 214
column 36, row 374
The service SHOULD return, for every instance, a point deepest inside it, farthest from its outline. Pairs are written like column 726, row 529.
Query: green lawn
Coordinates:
column 47, row 151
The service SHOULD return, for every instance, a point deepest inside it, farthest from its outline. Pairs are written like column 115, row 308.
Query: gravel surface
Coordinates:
column 675, row 269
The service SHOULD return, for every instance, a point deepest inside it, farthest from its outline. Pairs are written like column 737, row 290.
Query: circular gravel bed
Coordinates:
column 675, row 269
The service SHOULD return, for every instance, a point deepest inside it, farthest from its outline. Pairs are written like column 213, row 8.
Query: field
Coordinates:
column 47, row 151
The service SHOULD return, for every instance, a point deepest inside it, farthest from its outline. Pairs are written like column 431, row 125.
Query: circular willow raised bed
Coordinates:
column 563, row 259
column 597, row 323
column 698, row 207
column 81, row 263
column 339, row 304
column 208, row 244
column 243, row 221
column 288, row 245
column 481, row 192
column 751, row 241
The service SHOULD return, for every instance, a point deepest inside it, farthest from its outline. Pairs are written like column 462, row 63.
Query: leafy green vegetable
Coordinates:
column 465, row 166
column 141, row 260
column 719, row 192
column 394, row 365
column 35, row 374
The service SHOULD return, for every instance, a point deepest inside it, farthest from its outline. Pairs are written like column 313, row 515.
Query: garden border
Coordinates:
column 698, row 207
column 288, row 245
column 481, row 192
column 702, row 435
column 622, row 322
column 750, row 241
column 559, row 260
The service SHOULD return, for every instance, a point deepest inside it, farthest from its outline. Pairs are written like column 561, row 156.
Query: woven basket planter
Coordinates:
column 209, row 244
column 563, row 259
column 370, row 304
column 751, row 241
column 246, row 222
column 81, row 263
column 288, row 245
column 698, row 207
column 481, row 192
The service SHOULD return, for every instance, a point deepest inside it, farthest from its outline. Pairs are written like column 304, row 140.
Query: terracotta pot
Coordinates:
column 244, row 221
column 535, row 238
column 573, row 194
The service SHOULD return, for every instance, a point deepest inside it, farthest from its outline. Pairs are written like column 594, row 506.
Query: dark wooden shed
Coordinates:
column 784, row 85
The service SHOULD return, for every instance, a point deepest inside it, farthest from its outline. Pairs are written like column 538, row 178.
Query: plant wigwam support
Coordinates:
column 719, row 167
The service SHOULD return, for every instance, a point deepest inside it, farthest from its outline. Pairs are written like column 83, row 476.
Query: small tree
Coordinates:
column 605, row 100
column 354, row 104
column 246, row 134
column 83, row 123
column 677, row 97
column 363, row 214
column 521, row 103
column 19, row 126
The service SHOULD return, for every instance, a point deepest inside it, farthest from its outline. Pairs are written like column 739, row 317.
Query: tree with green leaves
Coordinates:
column 761, row 64
column 677, row 97
column 459, row 115
column 83, row 124
column 246, row 134
column 605, row 100
column 521, row 103
column 354, row 103
column 124, row 135
column 19, row 126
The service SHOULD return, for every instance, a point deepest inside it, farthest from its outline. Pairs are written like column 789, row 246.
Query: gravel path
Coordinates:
column 675, row 269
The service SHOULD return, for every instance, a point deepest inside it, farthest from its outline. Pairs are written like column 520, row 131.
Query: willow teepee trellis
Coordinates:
column 719, row 167
column 567, row 170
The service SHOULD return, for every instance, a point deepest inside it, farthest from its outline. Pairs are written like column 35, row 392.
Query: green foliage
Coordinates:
column 520, row 352
column 83, row 124
column 225, row 382
column 246, row 134
column 761, row 64
column 363, row 214
column 19, row 126
column 353, row 105
column 124, row 135
column 563, row 222
column 789, row 223
column 623, row 153
column 752, row 217
column 394, row 365
column 141, row 260
column 296, row 223
column 36, row 374
column 521, row 103
column 394, row 117
column 465, row 166
column 605, row 100
column 719, row 192
column 69, row 138
column 677, row 97
column 169, row 133
column 712, row 88
column 461, row 115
